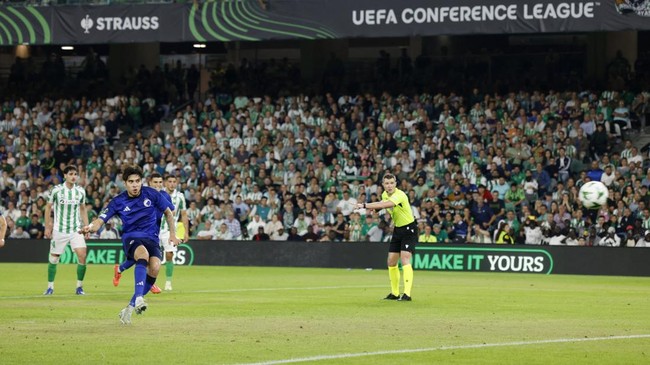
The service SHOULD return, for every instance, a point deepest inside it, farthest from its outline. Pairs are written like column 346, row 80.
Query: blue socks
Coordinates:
column 147, row 286
column 126, row 265
column 140, row 277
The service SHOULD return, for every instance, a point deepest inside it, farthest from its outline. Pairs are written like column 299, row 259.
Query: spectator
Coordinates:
column 35, row 229
column 254, row 224
column 611, row 239
column 376, row 232
column 23, row 221
column 109, row 232
column 427, row 236
column 224, row 233
column 293, row 235
column 311, row 236
column 19, row 233
column 207, row 233
column 347, row 204
column 279, row 235
column 301, row 224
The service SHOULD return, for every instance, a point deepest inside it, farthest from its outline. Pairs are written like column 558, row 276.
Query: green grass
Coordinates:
column 235, row 315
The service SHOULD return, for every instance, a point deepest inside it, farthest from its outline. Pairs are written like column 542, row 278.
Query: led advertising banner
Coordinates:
column 542, row 260
column 258, row 20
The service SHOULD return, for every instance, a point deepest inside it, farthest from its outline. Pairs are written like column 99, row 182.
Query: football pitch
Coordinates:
column 253, row 315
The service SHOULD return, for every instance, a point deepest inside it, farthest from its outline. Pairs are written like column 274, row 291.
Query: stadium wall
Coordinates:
column 470, row 257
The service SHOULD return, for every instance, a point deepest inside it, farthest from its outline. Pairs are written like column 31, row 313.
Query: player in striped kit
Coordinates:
column 3, row 230
column 178, row 200
column 67, row 203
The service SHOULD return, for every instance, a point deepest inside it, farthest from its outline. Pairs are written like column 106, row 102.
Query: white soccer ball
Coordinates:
column 593, row 195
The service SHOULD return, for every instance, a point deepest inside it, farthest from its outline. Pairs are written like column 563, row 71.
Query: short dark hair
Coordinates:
column 154, row 175
column 132, row 170
column 69, row 168
column 169, row 176
column 388, row 176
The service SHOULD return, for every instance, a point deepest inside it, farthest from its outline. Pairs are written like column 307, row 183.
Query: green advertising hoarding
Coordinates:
column 571, row 260
column 112, row 253
column 486, row 259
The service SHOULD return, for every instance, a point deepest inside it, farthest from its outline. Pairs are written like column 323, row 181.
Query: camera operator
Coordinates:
column 532, row 231
column 571, row 238
column 610, row 239
column 644, row 241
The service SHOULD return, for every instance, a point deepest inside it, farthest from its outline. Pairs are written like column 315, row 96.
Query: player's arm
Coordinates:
column 83, row 210
column 376, row 205
column 169, row 216
column 186, row 223
column 3, row 230
column 84, row 214
column 48, row 220
column 93, row 227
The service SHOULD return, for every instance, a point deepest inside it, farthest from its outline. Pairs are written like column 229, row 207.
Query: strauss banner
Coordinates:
column 258, row 20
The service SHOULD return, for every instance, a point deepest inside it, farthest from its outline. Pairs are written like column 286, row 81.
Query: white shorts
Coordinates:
column 164, row 242
column 60, row 240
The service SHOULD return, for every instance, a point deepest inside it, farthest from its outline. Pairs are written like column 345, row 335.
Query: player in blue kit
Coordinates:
column 156, row 182
column 139, row 208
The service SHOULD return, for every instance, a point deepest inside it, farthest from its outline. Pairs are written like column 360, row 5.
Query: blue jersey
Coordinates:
column 140, row 215
column 166, row 195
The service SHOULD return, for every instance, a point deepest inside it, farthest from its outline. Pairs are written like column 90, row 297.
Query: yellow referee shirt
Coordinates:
column 401, row 212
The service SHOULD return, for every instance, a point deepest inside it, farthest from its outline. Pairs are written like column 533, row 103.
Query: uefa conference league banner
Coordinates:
column 257, row 20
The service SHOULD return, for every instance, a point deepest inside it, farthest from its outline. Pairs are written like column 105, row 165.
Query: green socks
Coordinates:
column 81, row 272
column 169, row 269
column 51, row 272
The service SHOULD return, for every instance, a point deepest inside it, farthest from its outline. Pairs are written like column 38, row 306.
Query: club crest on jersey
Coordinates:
column 147, row 203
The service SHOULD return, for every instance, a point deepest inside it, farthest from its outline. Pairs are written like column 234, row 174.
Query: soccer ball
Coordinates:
column 593, row 195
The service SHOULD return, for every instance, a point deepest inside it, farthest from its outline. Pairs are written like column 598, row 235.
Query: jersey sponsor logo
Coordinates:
column 147, row 203
column 126, row 209
column 68, row 201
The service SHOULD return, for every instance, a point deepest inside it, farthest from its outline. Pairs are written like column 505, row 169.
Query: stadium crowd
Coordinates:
column 502, row 167
column 293, row 167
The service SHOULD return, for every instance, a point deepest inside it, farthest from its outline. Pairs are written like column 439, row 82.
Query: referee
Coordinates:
column 405, row 235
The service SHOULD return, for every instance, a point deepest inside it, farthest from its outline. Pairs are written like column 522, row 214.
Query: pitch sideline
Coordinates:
column 443, row 348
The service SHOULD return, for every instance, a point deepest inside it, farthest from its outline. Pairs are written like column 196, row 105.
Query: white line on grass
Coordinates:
column 444, row 348
column 203, row 291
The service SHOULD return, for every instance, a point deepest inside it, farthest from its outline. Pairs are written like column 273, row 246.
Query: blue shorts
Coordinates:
column 153, row 247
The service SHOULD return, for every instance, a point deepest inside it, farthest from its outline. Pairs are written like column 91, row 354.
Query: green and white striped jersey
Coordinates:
column 66, row 206
column 178, row 200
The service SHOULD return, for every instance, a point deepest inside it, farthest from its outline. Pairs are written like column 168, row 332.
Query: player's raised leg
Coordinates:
column 119, row 269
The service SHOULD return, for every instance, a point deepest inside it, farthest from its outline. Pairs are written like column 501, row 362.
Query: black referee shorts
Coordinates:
column 404, row 238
